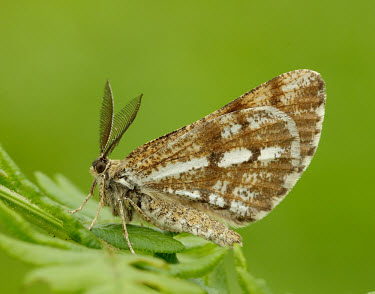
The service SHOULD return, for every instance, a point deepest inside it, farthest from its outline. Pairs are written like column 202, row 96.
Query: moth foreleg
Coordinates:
column 96, row 216
column 92, row 189
column 123, row 219
column 101, row 197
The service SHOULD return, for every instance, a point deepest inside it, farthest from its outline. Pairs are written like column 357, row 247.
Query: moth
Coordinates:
column 228, row 169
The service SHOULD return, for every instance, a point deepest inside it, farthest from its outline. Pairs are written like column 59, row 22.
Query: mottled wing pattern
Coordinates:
column 240, row 164
column 299, row 93
column 240, row 161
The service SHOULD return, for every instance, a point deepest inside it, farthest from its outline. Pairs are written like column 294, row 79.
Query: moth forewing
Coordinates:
column 231, row 167
column 236, row 166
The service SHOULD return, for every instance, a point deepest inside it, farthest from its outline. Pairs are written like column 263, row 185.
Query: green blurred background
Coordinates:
column 189, row 58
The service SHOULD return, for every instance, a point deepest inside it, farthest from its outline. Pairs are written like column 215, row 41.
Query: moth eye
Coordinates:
column 100, row 167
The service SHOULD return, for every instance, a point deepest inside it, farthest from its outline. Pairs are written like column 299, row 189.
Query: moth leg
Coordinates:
column 123, row 219
column 92, row 189
column 139, row 211
column 96, row 216
column 101, row 196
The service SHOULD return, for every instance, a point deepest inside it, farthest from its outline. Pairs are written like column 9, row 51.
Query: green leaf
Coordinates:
column 168, row 257
column 42, row 255
column 32, row 212
column 217, row 280
column 141, row 238
column 249, row 284
column 94, row 271
column 190, row 241
column 3, row 173
column 13, row 222
column 15, row 180
column 239, row 258
column 197, row 260
column 65, row 227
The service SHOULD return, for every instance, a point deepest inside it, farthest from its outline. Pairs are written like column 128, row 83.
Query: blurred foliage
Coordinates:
column 190, row 58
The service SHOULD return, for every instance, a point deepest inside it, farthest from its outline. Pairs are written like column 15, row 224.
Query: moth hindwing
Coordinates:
column 230, row 168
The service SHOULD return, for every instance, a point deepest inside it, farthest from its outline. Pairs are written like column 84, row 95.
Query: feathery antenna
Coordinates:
column 112, row 128
column 106, row 117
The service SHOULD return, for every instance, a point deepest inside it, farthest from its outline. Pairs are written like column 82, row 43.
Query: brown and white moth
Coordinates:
column 229, row 168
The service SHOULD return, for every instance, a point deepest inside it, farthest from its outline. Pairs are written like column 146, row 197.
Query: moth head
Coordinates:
column 113, row 127
column 99, row 165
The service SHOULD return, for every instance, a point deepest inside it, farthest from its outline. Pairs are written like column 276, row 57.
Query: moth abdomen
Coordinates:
column 175, row 217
